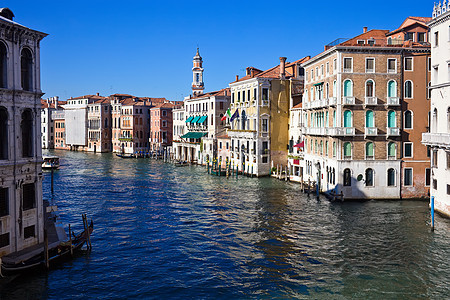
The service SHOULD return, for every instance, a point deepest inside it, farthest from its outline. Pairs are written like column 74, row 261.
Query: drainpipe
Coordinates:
column 401, row 119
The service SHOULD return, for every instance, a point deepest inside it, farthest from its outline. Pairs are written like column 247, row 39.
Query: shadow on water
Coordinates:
column 168, row 232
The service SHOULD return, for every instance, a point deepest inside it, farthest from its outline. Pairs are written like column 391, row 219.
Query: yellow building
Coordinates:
column 259, row 106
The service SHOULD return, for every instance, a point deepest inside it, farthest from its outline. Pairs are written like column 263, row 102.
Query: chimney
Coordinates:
column 98, row 94
column 237, row 77
column 225, row 92
column 248, row 71
column 282, row 67
column 364, row 29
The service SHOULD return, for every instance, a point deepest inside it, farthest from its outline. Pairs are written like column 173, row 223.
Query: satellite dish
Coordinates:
column 360, row 177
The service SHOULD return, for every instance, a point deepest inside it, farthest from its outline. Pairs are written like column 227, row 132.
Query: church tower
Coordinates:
column 197, row 72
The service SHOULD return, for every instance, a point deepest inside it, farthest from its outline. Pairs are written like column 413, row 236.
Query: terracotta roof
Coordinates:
column 409, row 22
column 215, row 93
column 163, row 105
column 87, row 97
column 225, row 136
column 376, row 34
column 44, row 104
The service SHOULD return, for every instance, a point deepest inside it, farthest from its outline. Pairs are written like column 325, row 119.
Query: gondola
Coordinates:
column 56, row 254
column 125, row 155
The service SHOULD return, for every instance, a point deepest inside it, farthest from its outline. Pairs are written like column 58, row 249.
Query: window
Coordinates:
column 391, row 177
column 409, row 36
column 321, row 71
column 360, row 42
column 347, row 118
column 334, row 65
column 265, row 94
column 392, row 65
column 328, row 68
column 27, row 133
column 429, row 64
column 408, row 149
column 348, row 89
column 4, row 240
column 436, row 38
column 370, row 65
column 408, row 64
column 265, row 125
column 3, row 66
column 407, row 178
column 408, row 120
column 370, row 88
column 348, row 64
column 435, row 184
column 370, row 119
column 371, row 42
column 26, row 62
column 29, row 232
column 334, row 149
column 421, row 37
column 434, row 160
column 369, row 177
column 392, row 88
column 369, row 151
column 28, row 196
column 3, row 133
column 347, row 177
column 347, row 150
column 391, row 119
column 408, row 89
column 427, row 176
column 448, row 159
column 4, row 202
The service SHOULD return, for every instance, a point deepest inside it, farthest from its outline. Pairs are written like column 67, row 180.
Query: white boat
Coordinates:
column 50, row 162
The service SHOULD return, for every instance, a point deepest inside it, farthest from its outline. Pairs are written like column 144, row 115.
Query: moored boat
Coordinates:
column 50, row 162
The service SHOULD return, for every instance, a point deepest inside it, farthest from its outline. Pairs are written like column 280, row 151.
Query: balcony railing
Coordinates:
column 315, row 130
column 370, row 100
column 341, row 131
column 393, row 101
column 393, row 131
column 348, row 100
column 332, row 101
column 370, row 131
column 436, row 139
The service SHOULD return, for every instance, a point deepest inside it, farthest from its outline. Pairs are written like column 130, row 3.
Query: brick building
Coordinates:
column 161, row 126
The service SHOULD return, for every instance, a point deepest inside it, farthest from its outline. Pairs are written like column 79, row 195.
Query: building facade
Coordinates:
column 161, row 127
column 48, row 106
column 99, row 126
column 21, row 204
column 438, row 139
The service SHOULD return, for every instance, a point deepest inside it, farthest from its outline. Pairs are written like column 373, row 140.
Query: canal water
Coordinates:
column 175, row 232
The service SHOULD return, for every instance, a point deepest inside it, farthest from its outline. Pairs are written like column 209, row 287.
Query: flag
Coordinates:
column 235, row 115
column 228, row 113
column 300, row 145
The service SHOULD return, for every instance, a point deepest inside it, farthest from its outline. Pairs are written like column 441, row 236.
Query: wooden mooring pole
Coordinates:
column 46, row 249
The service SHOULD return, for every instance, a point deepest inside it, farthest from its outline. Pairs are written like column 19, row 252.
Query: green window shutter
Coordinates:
column 369, row 149
column 347, row 149
column 391, row 119
column 369, row 119
column 347, row 118
column 392, row 92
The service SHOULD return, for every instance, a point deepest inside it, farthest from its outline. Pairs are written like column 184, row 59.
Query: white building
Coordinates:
column 76, row 115
column 48, row 106
column 439, row 137
column 21, row 205
column 295, row 151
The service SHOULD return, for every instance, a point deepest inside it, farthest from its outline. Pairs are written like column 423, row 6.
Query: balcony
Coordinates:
column 306, row 105
column 315, row 130
column 370, row 101
column 436, row 139
column 348, row 100
column 332, row 101
column 371, row 131
column 246, row 134
column 341, row 131
column 393, row 131
column 393, row 101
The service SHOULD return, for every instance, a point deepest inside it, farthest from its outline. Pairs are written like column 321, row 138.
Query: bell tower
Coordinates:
column 197, row 72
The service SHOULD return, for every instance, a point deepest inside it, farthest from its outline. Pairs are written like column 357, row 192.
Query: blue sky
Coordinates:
column 145, row 48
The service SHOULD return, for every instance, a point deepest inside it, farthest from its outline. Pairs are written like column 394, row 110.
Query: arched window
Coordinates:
column 306, row 96
column 347, row 150
column 429, row 90
column 435, row 120
column 392, row 88
column 370, row 87
column 3, row 66
column 327, row 90
column 408, row 89
column 334, row 176
column 369, row 151
column 408, row 120
column 326, row 148
column 391, row 177
column 348, row 89
column 321, row 147
column 370, row 119
column 27, row 133
column 347, row 118
column 334, row 89
column 326, row 120
column 315, row 146
column 392, row 151
column 448, row 119
column 26, row 64
column 369, row 177
column 347, row 177
column 334, row 149
column 244, row 119
column 391, row 119
column 334, row 118
column 3, row 133
column 106, row 122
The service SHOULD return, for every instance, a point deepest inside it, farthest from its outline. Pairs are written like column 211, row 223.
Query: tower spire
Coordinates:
column 197, row 72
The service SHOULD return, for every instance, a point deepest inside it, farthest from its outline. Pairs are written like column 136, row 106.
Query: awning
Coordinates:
column 189, row 119
column 202, row 120
column 194, row 135
column 195, row 120
column 320, row 83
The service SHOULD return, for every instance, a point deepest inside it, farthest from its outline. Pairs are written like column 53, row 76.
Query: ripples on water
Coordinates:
column 167, row 232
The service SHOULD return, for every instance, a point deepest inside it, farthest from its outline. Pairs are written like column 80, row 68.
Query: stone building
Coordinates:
column 438, row 139
column 356, row 95
column 260, row 104
column 21, row 204
column 58, row 117
column 99, row 126
column 161, row 127
column 48, row 106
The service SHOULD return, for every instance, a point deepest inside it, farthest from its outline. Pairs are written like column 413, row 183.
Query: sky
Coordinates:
column 145, row 48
